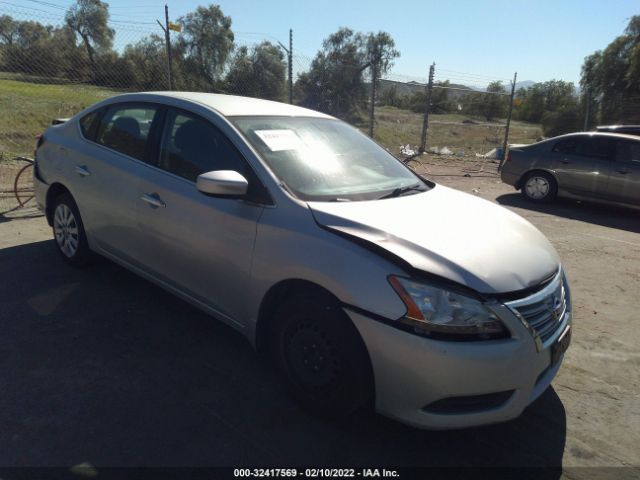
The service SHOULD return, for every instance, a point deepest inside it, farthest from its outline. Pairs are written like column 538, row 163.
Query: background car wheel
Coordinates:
column 68, row 232
column 539, row 187
column 321, row 356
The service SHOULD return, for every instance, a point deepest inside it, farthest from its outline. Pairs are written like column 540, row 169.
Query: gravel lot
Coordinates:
column 100, row 366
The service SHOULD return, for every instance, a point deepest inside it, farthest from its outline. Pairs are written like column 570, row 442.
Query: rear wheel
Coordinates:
column 68, row 232
column 321, row 357
column 539, row 187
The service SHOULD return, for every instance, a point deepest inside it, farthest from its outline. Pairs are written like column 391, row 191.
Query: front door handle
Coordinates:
column 153, row 199
column 82, row 171
column 623, row 172
column 565, row 161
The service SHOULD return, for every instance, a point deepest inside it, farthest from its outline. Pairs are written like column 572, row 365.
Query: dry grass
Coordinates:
column 395, row 127
column 27, row 108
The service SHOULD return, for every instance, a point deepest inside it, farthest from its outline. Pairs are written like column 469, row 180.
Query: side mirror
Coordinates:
column 226, row 183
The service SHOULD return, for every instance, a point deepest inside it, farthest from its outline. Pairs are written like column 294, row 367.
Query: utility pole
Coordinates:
column 290, row 63
column 167, row 38
column 372, row 103
column 506, row 130
column 427, row 108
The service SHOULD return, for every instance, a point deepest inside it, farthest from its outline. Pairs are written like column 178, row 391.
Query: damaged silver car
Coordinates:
column 366, row 283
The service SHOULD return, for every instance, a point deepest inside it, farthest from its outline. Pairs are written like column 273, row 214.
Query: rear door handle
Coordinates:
column 82, row 171
column 153, row 199
column 623, row 172
column 565, row 161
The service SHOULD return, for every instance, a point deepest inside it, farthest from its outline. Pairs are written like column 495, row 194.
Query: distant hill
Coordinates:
column 409, row 88
column 524, row 84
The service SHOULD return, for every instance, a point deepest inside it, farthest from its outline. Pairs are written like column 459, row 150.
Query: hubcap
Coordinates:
column 65, row 229
column 537, row 187
column 313, row 357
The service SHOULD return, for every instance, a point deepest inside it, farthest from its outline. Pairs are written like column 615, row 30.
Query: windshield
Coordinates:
column 320, row 159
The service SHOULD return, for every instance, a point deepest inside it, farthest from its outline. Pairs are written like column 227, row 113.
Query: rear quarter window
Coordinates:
column 568, row 146
column 89, row 123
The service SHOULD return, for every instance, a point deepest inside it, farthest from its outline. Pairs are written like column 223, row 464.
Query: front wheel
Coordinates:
column 68, row 232
column 539, row 187
column 321, row 356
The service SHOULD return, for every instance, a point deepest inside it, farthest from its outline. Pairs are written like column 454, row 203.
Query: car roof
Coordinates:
column 598, row 134
column 618, row 127
column 233, row 105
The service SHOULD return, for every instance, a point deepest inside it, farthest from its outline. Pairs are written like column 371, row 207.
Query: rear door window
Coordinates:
column 598, row 147
column 126, row 128
column 628, row 152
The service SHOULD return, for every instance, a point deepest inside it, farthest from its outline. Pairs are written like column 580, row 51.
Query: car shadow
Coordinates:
column 620, row 218
column 101, row 366
column 11, row 212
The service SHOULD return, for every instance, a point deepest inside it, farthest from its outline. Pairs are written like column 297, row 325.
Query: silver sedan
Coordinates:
column 366, row 283
column 596, row 166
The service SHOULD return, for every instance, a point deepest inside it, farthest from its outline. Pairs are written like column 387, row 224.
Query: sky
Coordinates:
column 470, row 41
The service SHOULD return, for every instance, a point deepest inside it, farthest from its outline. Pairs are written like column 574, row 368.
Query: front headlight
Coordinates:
column 444, row 314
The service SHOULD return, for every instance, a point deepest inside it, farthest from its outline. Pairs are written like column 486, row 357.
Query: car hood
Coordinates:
column 451, row 234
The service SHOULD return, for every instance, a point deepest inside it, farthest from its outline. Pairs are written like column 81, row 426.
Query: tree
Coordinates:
column 29, row 47
column 389, row 96
column 544, row 98
column 88, row 19
column 259, row 72
column 335, row 81
column 8, row 29
column 492, row 104
column 612, row 77
column 207, row 41
column 564, row 120
column 143, row 65
column 440, row 102
column 380, row 51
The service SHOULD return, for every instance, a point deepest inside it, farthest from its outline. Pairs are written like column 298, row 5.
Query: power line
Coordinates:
column 48, row 4
column 467, row 73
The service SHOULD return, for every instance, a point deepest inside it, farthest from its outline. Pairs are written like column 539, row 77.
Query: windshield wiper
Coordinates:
column 397, row 192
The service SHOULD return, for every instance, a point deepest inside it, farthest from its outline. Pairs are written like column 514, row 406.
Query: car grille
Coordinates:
column 544, row 311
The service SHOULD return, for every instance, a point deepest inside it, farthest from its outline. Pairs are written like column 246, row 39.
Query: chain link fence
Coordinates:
column 48, row 71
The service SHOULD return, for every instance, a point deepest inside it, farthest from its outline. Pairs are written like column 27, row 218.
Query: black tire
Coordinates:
column 321, row 356
column 539, row 187
column 68, row 232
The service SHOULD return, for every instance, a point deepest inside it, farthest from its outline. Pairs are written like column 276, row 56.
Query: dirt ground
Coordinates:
column 100, row 366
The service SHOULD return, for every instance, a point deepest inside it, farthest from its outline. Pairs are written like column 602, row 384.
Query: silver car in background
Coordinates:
column 364, row 282
column 591, row 166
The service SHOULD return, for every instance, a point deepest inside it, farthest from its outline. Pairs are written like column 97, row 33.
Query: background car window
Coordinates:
column 628, row 152
column 87, row 124
column 597, row 147
column 568, row 146
column 192, row 145
column 126, row 129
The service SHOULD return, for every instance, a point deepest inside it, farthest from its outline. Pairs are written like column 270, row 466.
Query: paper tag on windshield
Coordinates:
column 278, row 140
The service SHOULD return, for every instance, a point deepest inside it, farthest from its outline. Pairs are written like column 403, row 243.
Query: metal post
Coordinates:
column 506, row 130
column 290, row 63
column 168, row 40
column 427, row 108
column 290, row 66
column 587, row 109
column 372, row 103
